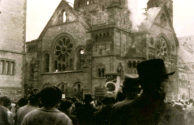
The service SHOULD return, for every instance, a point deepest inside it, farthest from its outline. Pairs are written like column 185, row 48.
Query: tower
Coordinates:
column 12, row 33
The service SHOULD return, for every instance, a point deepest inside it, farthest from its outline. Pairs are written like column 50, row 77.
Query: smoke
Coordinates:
column 137, row 9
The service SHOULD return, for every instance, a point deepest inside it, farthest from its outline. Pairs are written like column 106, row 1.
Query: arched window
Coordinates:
column 161, row 48
column 47, row 60
column 62, row 86
column 64, row 17
column 101, row 71
column 88, row 2
column 63, row 54
column 129, row 64
column 32, row 71
column 134, row 64
column 120, row 69
column 81, row 58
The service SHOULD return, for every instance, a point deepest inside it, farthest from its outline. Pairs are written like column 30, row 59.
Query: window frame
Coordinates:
column 7, row 67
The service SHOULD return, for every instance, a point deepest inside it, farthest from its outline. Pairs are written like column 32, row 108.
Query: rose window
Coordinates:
column 161, row 48
column 63, row 51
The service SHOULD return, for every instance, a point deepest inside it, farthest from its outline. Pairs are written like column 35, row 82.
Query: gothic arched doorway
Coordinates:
column 77, row 90
column 63, row 87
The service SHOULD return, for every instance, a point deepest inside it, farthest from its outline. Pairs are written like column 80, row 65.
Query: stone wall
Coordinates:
column 68, row 77
column 12, row 23
column 12, row 34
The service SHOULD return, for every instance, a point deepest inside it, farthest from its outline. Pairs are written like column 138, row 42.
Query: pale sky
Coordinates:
column 40, row 11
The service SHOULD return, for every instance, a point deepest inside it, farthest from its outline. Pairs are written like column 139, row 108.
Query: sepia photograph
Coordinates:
column 96, row 62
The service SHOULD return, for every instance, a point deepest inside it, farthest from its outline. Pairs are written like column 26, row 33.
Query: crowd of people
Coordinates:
column 141, row 102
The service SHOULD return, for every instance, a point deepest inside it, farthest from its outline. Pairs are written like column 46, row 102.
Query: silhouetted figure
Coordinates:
column 86, row 112
column 48, row 114
column 102, row 117
column 4, row 116
column 130, row 89
column 120, row 96
column 149, row 108
column 6, row 102
column 66, row 106
column 21, row 102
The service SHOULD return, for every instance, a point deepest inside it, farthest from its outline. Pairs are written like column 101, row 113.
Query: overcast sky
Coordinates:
column 40, row 11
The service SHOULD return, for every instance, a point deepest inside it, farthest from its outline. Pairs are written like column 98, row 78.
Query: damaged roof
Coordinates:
column 151, row 15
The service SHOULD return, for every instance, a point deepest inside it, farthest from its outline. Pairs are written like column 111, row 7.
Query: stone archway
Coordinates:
column 63, row 86
column 77, row 89
column 47, row 84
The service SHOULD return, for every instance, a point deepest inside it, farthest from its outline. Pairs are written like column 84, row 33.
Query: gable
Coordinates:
column 159, row 21
column 163, row 20
column 63, row 14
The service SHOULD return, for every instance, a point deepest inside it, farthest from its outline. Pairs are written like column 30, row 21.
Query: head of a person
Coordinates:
column 120, row 96
column 88, row 98
column 21, row 102
column 108, row 100
column 66, row 106
column 5, row 101
column 131, row 87
column 33, row 99
column 50, row 96
column 153, row 76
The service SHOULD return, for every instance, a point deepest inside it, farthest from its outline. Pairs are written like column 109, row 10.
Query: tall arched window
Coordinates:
column 47, row 60
column 87, row 2
column 134, row 64
column 64, row 16
column 129, row 64
column 63, row 54
column 81, row 58
column 161, row 48
column 101, row 71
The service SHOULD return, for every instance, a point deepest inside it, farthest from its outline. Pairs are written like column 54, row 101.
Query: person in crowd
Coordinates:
column 86, row 111
column 102, row 116
column 120, row 96
column 66, row 106
column 6, row 102
column 149, row 108
column 21, row 102
column 3, row 116
column 33, row 102
column 48, row 114
column 77, row 108
column 131, row 89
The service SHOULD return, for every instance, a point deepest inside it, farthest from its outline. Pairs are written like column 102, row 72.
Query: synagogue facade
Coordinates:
column 84, row 47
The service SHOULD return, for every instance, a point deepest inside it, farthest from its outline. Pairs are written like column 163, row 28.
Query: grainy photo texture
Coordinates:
column 96, row 62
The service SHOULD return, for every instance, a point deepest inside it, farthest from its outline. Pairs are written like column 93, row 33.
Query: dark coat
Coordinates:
column 102, row 117
column 142, row 111
column 3, row 116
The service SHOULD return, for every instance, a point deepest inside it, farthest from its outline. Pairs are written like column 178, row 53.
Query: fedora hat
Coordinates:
column 153, row 69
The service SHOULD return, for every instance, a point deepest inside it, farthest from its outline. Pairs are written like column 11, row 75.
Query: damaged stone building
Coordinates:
column 12, row 44
column 83, row 47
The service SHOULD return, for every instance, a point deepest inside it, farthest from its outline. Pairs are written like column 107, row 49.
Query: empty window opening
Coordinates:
column 64, row 17
column 88, row 2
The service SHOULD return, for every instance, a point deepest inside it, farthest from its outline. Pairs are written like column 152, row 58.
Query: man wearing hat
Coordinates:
column 149, row 108
column 130, row 90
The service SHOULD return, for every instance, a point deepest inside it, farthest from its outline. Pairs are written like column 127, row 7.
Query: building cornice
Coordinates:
column 10, row 51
